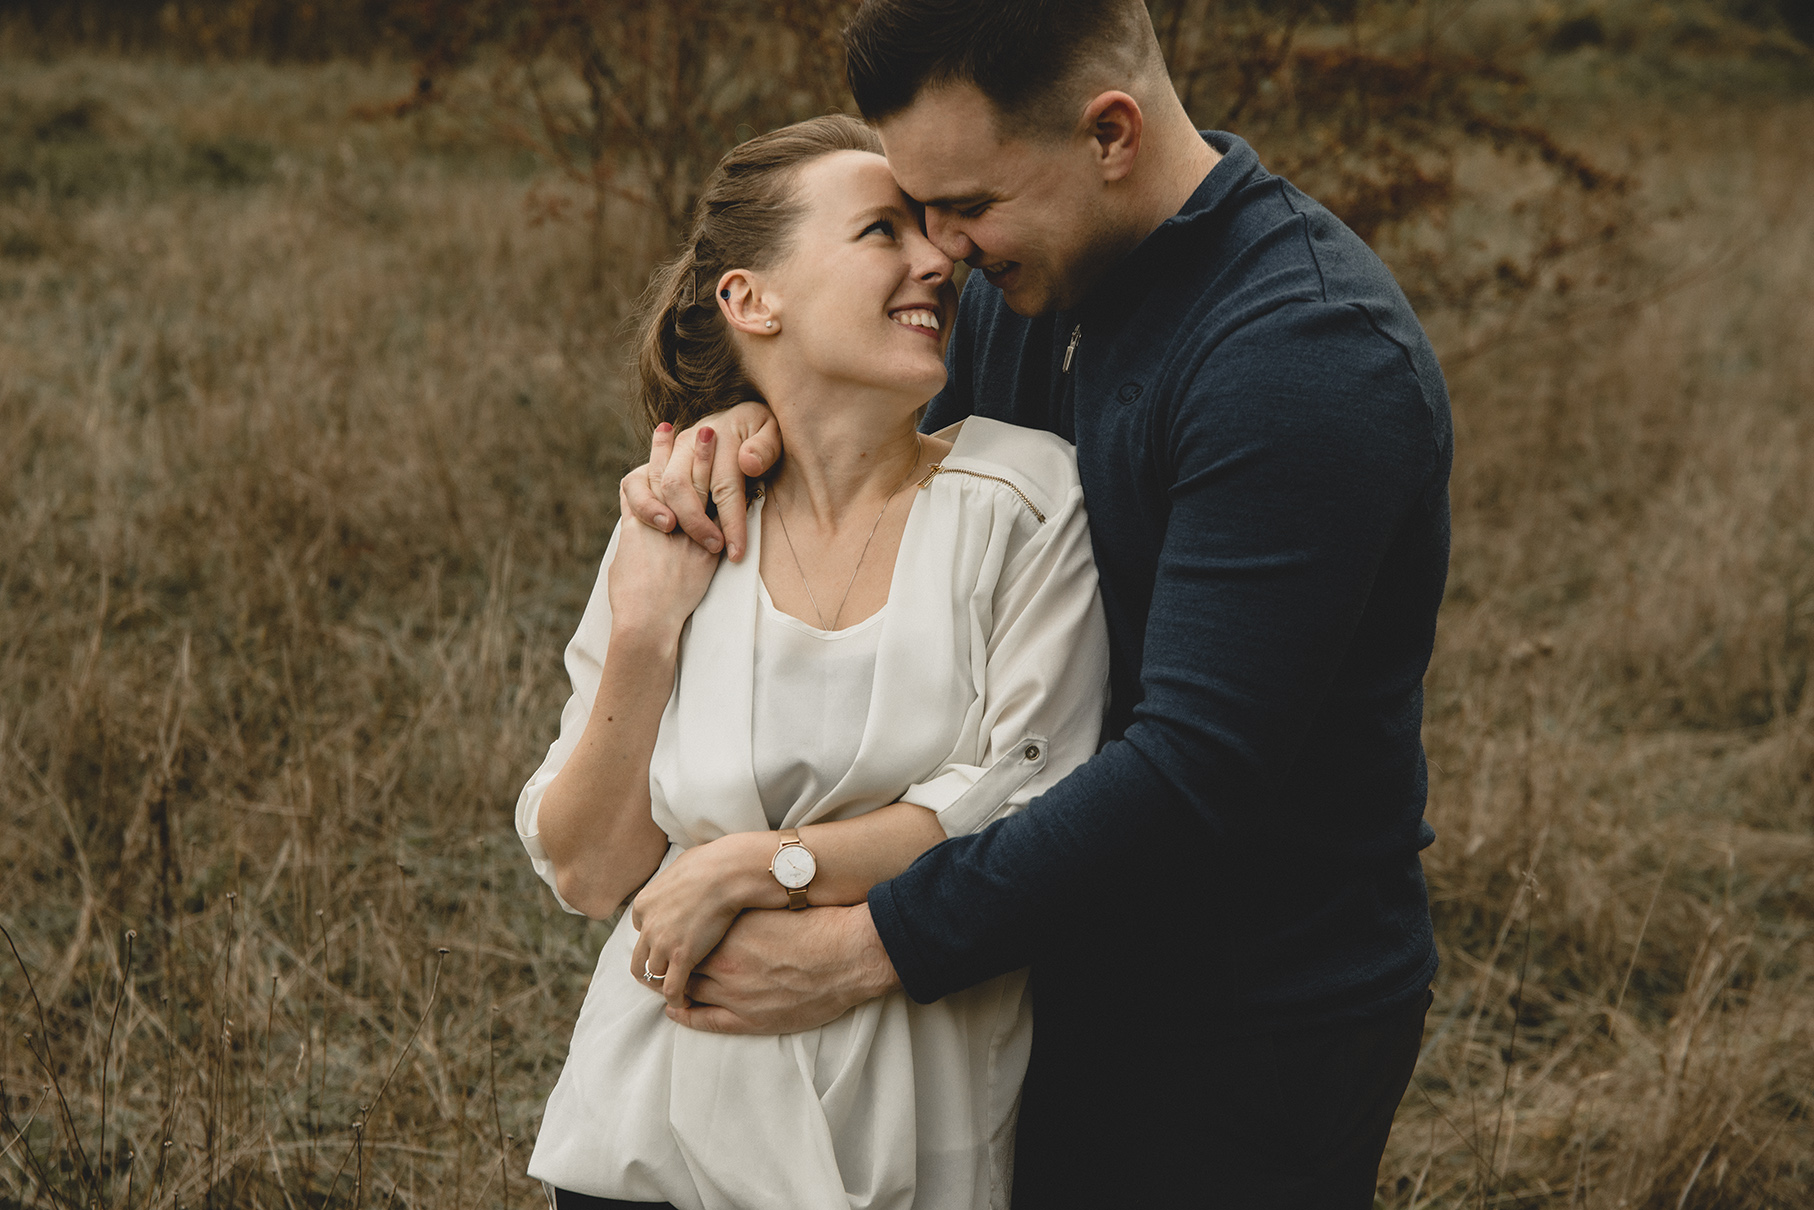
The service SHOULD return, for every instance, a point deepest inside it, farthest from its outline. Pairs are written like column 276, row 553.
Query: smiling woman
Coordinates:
column 920, row 651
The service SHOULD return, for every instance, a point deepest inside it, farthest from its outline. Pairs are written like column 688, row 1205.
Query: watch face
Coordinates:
column 794, row 867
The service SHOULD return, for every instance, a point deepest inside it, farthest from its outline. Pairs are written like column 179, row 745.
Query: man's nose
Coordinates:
column 946, row 236
column 930, row 264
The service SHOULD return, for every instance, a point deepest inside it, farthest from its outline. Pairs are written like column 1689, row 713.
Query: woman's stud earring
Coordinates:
column 768, row 323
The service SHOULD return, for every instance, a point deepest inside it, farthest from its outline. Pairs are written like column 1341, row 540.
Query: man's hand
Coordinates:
column 780, row 972
column 710, row 461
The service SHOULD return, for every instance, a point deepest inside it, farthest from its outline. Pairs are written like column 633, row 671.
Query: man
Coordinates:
column 1224, row 909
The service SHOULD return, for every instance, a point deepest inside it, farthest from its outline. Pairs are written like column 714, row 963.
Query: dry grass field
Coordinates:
column 308, row 450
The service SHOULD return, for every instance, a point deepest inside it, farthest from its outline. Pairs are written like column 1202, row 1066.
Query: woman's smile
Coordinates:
column 920, row 319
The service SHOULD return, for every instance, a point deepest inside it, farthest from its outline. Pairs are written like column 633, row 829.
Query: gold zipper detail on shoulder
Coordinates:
column 939, row 468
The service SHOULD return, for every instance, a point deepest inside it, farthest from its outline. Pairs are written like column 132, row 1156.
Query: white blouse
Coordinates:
column 812, row 692
column 989, row 680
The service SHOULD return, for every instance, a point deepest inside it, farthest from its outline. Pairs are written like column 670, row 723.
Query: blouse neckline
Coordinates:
column 807, row 628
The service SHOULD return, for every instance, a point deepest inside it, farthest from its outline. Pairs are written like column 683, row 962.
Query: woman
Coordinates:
column 912, row 647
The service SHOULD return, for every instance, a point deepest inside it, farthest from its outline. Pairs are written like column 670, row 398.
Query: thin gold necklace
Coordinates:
column 918, row 457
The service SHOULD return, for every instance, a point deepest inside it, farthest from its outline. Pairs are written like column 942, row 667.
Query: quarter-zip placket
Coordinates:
column 1067, row 388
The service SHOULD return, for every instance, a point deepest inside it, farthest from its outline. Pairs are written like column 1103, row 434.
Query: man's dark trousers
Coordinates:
column 1288, row 1119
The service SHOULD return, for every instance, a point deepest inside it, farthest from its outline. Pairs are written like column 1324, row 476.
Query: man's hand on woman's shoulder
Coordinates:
column 708, row 462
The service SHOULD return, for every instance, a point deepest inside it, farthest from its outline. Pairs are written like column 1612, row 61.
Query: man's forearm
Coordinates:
column 981, row 905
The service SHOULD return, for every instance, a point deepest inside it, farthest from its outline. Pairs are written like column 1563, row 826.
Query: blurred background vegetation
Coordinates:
column 310, row 424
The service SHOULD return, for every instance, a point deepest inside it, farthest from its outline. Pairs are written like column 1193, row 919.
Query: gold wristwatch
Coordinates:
column 793, row 867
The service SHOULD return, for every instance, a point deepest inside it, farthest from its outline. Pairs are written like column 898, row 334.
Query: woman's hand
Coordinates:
column 657, row 579
column 708, row 463
column 684, row 911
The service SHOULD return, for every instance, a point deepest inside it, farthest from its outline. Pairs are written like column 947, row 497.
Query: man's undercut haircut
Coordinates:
column 1028, row 57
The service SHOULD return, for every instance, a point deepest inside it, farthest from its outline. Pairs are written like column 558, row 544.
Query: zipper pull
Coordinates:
column 1070, row 350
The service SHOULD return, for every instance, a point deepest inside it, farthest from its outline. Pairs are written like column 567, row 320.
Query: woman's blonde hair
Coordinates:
column 686, row 364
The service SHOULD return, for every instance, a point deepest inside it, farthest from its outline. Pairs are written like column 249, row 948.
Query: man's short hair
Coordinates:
column 1025, row 56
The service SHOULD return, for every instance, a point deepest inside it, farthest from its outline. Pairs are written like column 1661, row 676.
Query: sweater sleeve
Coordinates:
column 1288, row 480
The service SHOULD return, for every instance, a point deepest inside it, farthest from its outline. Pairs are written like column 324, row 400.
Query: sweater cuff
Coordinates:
column 909, row 960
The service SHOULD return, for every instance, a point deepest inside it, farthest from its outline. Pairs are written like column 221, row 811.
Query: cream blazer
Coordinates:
column 990, row 683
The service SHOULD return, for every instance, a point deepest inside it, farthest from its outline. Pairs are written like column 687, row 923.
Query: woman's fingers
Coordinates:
column 674, row 984
column 639, row 959
column 670, row 966
column 639, row 492
column 705, row 452
column 703, row 470
column 686, row 486
column 730, row 465
column 661, row 448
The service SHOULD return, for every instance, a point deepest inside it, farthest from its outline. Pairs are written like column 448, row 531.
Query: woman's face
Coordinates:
column 863, row 297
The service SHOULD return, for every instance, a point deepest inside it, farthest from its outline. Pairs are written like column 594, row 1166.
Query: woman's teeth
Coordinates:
column 917, row 319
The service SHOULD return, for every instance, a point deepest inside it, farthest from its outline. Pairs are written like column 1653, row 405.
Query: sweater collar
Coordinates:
column 1140, row 268
column 1237, row 166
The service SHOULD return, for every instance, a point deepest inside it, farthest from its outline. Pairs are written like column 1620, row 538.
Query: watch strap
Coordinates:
column 796, row 895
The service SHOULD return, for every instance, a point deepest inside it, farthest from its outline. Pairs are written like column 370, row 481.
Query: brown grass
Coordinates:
column 1620, row 719
column 308, row 445
column 301, row 482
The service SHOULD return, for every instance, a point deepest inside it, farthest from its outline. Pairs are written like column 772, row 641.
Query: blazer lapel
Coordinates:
column 702, row 778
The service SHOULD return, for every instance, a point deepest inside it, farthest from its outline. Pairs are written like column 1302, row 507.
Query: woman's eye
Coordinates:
column 885, row 226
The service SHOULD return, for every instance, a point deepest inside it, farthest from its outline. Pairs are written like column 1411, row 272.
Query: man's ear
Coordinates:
column 1114, row 123
column 745, row 306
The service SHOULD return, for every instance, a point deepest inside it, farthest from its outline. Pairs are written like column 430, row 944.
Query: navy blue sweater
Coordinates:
column 1264, row 440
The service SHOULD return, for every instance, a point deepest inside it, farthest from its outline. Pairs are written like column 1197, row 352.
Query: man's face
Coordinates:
column 1028, row 212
